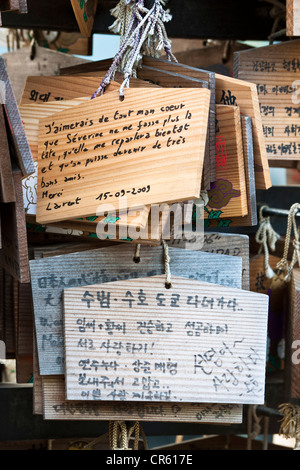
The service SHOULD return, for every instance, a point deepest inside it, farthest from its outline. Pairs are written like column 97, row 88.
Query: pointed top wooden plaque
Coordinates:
column 147, row 149
column 189, row 343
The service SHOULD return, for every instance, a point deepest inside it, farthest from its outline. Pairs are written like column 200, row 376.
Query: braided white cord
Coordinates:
column 291, row 225
column 267, row 238
column 140, row 29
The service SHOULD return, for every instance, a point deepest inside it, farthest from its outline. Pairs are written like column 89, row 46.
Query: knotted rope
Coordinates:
column 283, row 264
column 120, row 436
column 142, row 31
column 266, row 237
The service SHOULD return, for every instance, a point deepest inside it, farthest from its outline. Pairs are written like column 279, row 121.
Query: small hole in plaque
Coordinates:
column 121, row 97
column 137, row 259
column 168, row 285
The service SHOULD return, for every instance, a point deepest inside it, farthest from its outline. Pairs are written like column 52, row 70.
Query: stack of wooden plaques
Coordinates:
column 274, row 70
column 103, row 319
column 202, row 132
column 103, row 325
column 15, row 163
column 97, row 363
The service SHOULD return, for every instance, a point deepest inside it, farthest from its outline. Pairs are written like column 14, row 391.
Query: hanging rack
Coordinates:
column 270, row 212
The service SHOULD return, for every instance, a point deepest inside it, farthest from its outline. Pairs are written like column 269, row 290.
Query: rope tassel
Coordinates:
column 290, row 425
column 142, row 31
column 267, row 238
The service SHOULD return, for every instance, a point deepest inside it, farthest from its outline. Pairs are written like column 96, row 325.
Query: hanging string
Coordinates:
column 290, row 424
column 283, row 264
column 142, row 31
column 253, row 426
column 266, row 237
column 167, row 260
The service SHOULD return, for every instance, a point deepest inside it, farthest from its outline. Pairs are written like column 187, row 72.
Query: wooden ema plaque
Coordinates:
column 196, row 73
column 277, row 316
column 85, row 14
column 292, row 17
column 150, row 154
column 45, row 89
column 46, row 62
column 247, row 137
column 49, row 400
column 259, row 282
column 6, row 176
column 228, row 192
column 50, row 276
column 221, row 244
column 31, row 115
column 274, row 70
column 171, row 79
column 16, row 129
column 241, row 93
column 55, row 406
column 139, row 326
column 250, row 219
column 14, row 250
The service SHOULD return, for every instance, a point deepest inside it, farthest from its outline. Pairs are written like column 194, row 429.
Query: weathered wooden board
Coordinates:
column 25, row 320
column 85, row 14
column 21, row 233
column 6, row 177
column 22, row 150
column 8, row 309
column 55, row 88
column 119, row 78
column 55, row 406
column 259, row 282
column 37, row 383
column 201, row 74
column 49, row 276
column 14, row 251
column 169, row 79
column 15, row 297
column 293, row 343
column 90, row 66
column 24, row 369
column 277, row 318
column 247, row 138
column 160, row 176
column 222, row 244
column 227, row 194
column 292, row 18
column 274, row 70
column 46, row 62
column 184, row 344
column 242, row 93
